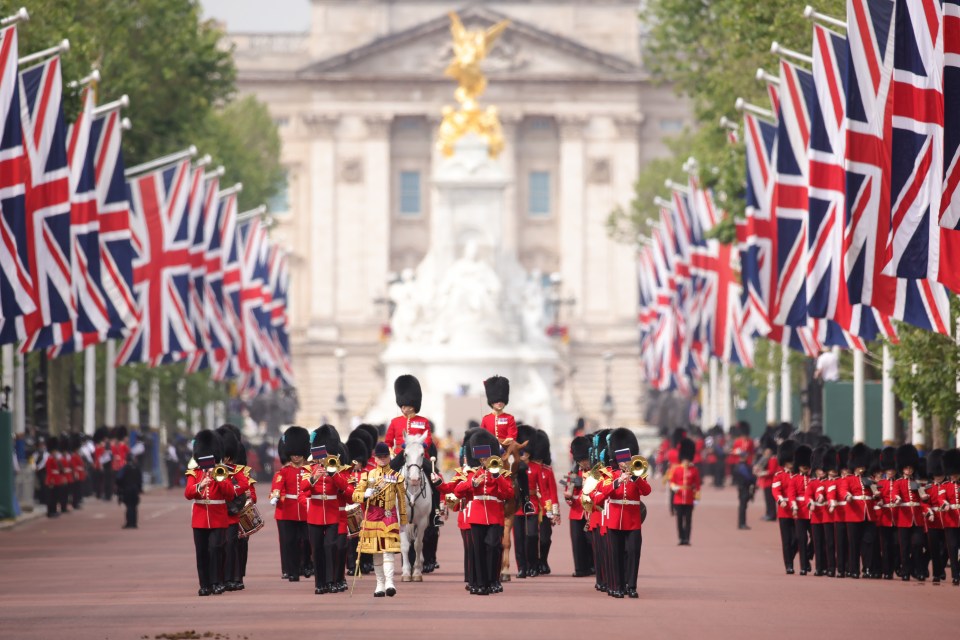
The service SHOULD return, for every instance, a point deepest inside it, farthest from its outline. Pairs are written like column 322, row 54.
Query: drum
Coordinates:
column 250, row 521
column 354, row 520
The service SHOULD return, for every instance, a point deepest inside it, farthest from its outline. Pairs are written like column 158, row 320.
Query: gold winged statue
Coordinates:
column 469, row 49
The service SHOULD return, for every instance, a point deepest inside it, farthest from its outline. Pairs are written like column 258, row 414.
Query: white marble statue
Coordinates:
column 467, row 303
column 533, row 309
column 406, row 312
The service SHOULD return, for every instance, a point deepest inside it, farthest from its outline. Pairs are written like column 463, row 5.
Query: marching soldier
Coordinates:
column 579, row 540
column 409, row 397
column 52, row 476
column 620, row 498
column 884, row 509
column 838, row 507
column 858, row 492
column 816, row 494
column 209, row 493
column 685, row 484
column 323, row 483
column 551, row 507
column 484, row 491
column 232, row 575
column 797, row 496
column 241, row 467
column 526, row 521
column 291, row 502
column 910, row 524
column 781, row 482
column 934, row 516
column 499, row 423
column 948, row 501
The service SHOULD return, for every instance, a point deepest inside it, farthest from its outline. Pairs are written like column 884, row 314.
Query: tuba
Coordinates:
column 639, row 467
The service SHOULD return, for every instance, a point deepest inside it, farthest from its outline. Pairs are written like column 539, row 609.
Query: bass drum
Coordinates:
column 249, row 521
column 354, row 520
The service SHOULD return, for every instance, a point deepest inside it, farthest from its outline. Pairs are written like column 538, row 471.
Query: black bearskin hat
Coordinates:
column 371, row 431
column 921, row 471
column 53, row 444
column 296, row 441
column 481, row 437
column 364, row 439
column 801, row 457
column 282, row 452
column 101, row 434
column 338, row 449
column 843, row 457
column 241, row 457
column 465, row 444
column 859, row 456
column 786, row 451
column 325, row 435
column 580, row 448
column 75, row 441
column 207, row 443
column 783, row 431
column 744, row 428
column 623, row 438
column 119, row 433
column 407, row 390
column 907, row 456
column 526, row 433
column 935, row 463
column 874, row 467
column 677, row 435
column 498, row 390
column 888, row 458
column 829, row 459
column 231, row 446
column 688, row 449
column 816, row 459
column 951, row 462
column 542, row 451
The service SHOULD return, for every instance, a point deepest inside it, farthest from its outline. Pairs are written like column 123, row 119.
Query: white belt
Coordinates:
column 342, row 509
column 955, row 506
column 860, row 497
column 321, row 497
column 625, row 502
column 210, row 502
column 292, row 496
column 801, row 498
column 909, row 504
column 486, row 498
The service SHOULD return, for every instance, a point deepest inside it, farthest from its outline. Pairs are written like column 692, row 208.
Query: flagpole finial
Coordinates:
column 815, row 16
column 92, row 78
column 727, row 123
column 126, row 125
column 204, row 161
column 661, row 202
column 57, row 49
column 22, row 15
column 691, row 165
column 769, row 78
column 778, row 50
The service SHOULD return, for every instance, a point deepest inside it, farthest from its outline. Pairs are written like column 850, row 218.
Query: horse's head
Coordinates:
column 413, row 454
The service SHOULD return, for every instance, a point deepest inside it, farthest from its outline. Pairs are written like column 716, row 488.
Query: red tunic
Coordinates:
column 276, row 485
column 119, row 450
column 859, row 499
column 401, row 426
column 485, row 504
column 323, row 504
column 837, row 504
column 576, row 506
column 685, row 482
column 53, row 476
column 538, row 490
column 779, row 487
column 797, row 496
column 502, row 426
column 766, row 480
column 293, row 502
column 909, row 513
column 620, row 500
column 79, row 469
column 931, row 512
column 744, row 443
column 243, row 483
column 816, row 494
column 948, row 500
column 551, row 501
column 210, row 505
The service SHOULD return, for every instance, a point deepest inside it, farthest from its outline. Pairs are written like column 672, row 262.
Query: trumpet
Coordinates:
column 220, row 472
column 494, row 466
column 332, row 464
column 639, row 467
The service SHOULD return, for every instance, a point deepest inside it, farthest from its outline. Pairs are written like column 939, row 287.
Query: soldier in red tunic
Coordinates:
column 409, row 397
column 209, row 519
column 685, row 484
column 324, row 483
column 911, row 530
column 526, row 522
column 499, row 423
column 484, row 492
column 579, row 540
column 781, row 482
column 948, row 500
column 550, row 507
column 884, row 510
column 857, row 491
column 231, row 562
column 797, row 497
column 291, row 503
column 838, row 507
column 934, row 516
column 816, row 495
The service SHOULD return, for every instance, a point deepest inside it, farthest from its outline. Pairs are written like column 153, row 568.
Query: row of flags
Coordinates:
column 852, row 203
column 156, row 259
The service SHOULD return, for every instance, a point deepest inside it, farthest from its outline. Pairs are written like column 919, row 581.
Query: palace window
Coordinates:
column 538, row 194
column 410, row 193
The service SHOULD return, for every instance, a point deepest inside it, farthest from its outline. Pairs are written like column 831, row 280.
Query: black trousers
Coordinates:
column 579, row 541
column 684, row 520
column 231, row 554
column 76, row 493
column 546, row 539
column 840, row 533
column 936, row 542
column 861, row 537
column 352, row 562
column 952, row 542
column 788, row 541
column 96, row 478
column 526, row 542
column 208, row 544
column 431, row 538
column 51, row 496
column 819, row 533
column 887, row 537
column 770, row 503
column 486, row 545
column 63, row 496
column 743, row 499
column 108, row 486
column 830, row 537
column 243, row 551
column 625, row 548
column 323, row 542
column 468, row 576
column 131, row 504
column 802, row 526
column 600, row 557
column 343, row 546
column 291, row 556
column 911, row 550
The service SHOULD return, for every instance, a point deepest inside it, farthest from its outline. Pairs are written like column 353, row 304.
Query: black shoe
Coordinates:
column 228, row 586
column 391, row 591
column 203, row 591
column 218, row 589
column 632, row 593
column 936, row 580
column 468, row 588
column 905, row 578
column 603, row 588
column 580, row 574
column 789, row 571
column 241, row 586
column 831, row 574
column 888, row 576
column 378, row 594
column 544, row 569
column 294, row 578
column 818, row 573
column 618, row 594
column 521, row 574
column 956, row 582
column 597, row 586
column 285, row 576
column 497, row 588
column 803, row 572
column 318, row 591
column 483, row 591
column 532, row 573
column 855, row 576
column 324, row 588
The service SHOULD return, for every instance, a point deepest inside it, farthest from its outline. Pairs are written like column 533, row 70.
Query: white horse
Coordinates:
column 419, row 506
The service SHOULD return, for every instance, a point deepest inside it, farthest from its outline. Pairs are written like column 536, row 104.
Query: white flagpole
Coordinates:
column 714, row 391
column 889, row 401
column 154, row 413
column 110, row 386
column 771, row 392
column 22, row 15
column 181, row 406
column 133, row 406
column 163, row 161
column 859, row 401
column 786, row 391
column 727, row 400
column 63, row 47
column 6, row 356
column 917, row 423
column 20, row 394
column 89, row 389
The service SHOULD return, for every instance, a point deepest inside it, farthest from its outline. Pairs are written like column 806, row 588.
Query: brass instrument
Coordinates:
column 639, row 467
column 591, row 479
column 494, row 466
column 332, row 464
column 452, row 501
column 220, row 473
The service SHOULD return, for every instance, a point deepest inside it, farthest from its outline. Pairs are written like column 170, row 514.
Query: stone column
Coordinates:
column 321, row 172
column 374, row 229
column 572, row 210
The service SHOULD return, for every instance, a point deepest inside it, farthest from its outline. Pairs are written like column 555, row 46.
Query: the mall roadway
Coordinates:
column 81, row 576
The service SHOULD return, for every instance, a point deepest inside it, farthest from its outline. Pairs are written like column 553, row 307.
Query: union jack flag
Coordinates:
column 16, row 283
column 950, row 201
column 223, row 287
column 280, row 287
column 158, row 220
column 49, row 248
column 199, row 359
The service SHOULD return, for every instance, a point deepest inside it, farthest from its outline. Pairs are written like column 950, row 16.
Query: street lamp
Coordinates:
column 607, row 407
column 340, row 402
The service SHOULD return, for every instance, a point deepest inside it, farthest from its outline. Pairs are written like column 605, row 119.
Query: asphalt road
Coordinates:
column 81, row 576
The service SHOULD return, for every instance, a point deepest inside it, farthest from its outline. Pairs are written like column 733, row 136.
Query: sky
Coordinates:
column 260, row 15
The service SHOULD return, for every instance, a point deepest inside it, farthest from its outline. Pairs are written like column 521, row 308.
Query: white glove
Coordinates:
column 274, row 501
column 368, row 493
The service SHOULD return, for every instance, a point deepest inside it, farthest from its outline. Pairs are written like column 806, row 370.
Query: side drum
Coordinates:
column 354, row 520
column 250, row 521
